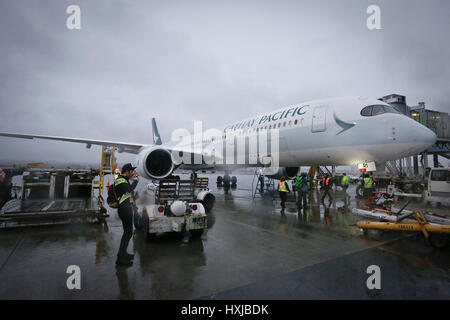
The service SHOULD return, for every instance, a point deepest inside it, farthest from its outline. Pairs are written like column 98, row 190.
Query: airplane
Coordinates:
column 333, row 131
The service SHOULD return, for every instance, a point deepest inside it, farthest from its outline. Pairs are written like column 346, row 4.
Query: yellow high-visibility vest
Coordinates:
column 126, row 195
column 119, row 181
column 282, row 187
column 367, row 182
column 344, row 181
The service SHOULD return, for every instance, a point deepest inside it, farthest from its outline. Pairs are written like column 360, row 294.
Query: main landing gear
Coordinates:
column 226, row 181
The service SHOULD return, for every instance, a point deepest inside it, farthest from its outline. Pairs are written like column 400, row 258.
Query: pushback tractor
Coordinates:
column 171, row 205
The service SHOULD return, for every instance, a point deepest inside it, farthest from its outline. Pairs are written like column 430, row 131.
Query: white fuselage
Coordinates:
column 327, row 132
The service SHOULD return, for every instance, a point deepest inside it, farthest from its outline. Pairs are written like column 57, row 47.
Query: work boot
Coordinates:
column 129, row 256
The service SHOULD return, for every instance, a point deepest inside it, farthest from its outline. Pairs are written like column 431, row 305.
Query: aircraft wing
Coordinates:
column 122, row 146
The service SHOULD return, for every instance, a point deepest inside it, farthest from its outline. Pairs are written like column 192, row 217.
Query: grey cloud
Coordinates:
column 216, row 61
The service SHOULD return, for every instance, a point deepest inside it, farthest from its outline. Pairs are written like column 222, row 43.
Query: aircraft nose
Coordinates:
column 426, row 136
column 423, row 135
column 429, row 137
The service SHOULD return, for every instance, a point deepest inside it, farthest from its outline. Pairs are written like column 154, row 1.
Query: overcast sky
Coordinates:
column 216, row 61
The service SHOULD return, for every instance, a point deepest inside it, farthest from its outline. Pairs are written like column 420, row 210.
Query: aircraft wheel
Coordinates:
column 136, row 220
column 208, row 202
column 359, row 192
column 226, row 180
column 144, row 224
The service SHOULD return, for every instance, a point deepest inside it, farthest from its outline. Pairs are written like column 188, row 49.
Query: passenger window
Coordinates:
column 279, row 125
column 284, row 124
column 295, row 122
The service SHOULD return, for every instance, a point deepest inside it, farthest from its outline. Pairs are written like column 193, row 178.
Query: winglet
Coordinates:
column 156, row 136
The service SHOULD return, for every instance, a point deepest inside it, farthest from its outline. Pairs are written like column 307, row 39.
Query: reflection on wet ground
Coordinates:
column 250, row 250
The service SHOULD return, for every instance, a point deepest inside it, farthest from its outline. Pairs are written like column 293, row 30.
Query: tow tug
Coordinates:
column 407, row 220
column 172, row 205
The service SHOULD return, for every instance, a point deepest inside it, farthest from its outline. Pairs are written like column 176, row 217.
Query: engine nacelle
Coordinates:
column 286, row 172
column 155, row 163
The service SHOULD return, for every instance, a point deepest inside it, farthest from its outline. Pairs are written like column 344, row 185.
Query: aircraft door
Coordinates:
column 319, row 119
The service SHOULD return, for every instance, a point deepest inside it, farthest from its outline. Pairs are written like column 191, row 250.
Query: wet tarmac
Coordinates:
column 250, row 251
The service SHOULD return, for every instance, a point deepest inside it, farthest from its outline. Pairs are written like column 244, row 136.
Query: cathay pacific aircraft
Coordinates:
column 335, row 131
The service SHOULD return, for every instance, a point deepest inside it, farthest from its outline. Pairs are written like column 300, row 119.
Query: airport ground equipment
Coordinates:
column 386, row 184
column 54, row 196
column 419, row 224
column 437, row 186
column 107, row 166
column 384, row 215
column 170, row 205
column 312, row 173
column 202, row 193
column 269, row 184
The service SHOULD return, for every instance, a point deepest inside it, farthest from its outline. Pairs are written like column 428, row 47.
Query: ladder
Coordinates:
column 107, row 166
column 269, row 185
column 392, row 167
column 324, row 170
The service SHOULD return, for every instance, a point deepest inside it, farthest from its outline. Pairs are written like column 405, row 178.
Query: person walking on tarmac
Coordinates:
column 283, row 189
column 124, row 192
column 326, row 186
column 261, row 180
column 368, row 185
column 302, row 185
column 344, row 182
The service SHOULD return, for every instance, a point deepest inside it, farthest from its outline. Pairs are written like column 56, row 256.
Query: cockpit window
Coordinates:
column 367, row 111
column 390, row 109
column 377, row 109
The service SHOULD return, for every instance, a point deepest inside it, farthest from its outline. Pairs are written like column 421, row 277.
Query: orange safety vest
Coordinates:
column 282, row 186
column 325, row 181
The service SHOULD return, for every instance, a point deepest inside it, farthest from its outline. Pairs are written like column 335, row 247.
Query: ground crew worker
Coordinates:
column 302, row 185
column 261, row 180
column 344, row 182
column 283, row 189
column 368, row 183
column 326, row 186
column 124, row 193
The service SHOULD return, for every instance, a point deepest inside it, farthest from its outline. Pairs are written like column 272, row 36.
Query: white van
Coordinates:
column 438, row 185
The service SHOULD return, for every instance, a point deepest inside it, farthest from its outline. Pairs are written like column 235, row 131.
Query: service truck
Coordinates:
column 170, row 205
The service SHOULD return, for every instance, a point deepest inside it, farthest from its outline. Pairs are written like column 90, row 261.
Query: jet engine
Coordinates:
column 155, row 163
column 286, row 172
